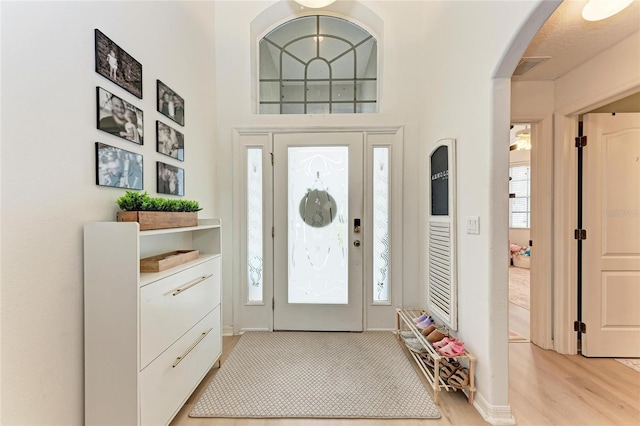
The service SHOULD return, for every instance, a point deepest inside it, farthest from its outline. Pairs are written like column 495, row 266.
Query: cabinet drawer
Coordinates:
column 168, row 381
column 171, row 306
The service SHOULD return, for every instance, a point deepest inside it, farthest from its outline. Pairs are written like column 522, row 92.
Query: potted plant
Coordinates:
column 157, row 212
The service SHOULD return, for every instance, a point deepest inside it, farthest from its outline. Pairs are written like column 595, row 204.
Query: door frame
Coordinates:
column 259, row 316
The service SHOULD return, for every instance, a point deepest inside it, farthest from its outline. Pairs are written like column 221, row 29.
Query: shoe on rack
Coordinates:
column 428, row 330
column 442, row 343
column 425, row 323
column 452, row 349
column 414, row 346
column 406, row 334
column 420, row 318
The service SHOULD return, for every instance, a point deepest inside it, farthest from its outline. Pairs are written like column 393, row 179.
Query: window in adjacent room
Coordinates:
column 318, row 65
column 520, row 196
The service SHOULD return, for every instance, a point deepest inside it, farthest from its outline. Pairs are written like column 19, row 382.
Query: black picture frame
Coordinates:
column 113, row 63
column 170, row 179
column 118, row 168
column 169, row 141
column 170, row 104
column 118, row 117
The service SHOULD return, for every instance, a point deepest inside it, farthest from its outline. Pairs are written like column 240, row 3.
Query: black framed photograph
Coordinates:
column 170, row 142
column 170, row 103
column 119, row 117
column 117, row 65
column 118, row 168
column 170, row 179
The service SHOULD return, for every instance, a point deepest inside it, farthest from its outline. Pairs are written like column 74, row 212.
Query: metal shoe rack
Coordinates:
column 432, row 374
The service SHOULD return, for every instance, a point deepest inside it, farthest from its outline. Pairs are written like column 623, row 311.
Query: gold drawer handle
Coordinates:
column 191, row 284
column 181, row 357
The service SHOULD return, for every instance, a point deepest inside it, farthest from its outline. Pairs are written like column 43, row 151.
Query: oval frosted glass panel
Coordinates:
column 318, row 267
column 381, row 224
column 254, row 226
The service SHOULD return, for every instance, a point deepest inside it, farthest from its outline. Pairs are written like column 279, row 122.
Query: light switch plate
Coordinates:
column 473, row 224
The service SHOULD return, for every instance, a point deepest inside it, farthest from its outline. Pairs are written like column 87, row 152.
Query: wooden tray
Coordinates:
column 168, row 260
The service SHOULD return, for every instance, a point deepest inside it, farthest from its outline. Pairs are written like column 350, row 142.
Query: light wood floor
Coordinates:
column 546, row 388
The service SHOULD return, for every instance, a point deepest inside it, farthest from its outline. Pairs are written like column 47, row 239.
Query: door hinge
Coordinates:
column 581, row 141
column 580, row 234
column 579, row 326
column 273, row 231
column 271, row 158
column 530, row 243
column 273, row 304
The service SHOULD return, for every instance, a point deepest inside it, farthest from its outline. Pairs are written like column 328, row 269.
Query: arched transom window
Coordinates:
column 318, row 65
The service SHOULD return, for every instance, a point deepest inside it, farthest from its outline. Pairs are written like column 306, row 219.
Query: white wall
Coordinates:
column 48, row 178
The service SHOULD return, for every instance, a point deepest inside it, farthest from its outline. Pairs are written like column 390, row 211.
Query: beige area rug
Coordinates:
column 630, row 362
column 316, row 374
column 519, row 286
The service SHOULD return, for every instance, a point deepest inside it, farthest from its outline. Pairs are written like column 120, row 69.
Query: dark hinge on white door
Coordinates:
column 580, row 234
column 271, row 158
column 581, row 141
column 273, row 304
column 580, row 326
column 273, row 231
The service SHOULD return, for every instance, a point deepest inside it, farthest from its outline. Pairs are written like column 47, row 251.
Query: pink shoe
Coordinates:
column 452, row 349
column 444, row 342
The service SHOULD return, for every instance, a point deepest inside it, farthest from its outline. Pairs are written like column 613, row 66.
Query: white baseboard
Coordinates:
column 382, row 329
column 244, row 330
column 227, row 330
column 493, row 414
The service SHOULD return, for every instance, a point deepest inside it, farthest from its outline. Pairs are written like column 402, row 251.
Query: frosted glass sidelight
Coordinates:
column 254, row 226
column 381, row 224
column 318, row 194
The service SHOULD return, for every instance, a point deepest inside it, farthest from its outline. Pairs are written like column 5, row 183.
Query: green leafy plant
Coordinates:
column 137, row 201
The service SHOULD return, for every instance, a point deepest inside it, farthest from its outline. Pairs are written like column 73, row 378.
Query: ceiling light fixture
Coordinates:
column 314, row 4
column 523, row 139
column 597, row 10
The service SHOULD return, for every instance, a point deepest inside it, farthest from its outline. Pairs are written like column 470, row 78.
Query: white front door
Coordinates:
column 318, row 187
column 611, row 252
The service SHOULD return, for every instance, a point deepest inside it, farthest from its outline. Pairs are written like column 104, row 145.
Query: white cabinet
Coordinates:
column 150, row 338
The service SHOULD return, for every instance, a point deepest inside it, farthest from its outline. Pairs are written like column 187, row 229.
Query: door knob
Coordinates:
column 356, row 243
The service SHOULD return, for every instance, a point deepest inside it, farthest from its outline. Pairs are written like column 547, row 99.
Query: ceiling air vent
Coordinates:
column 527, row 64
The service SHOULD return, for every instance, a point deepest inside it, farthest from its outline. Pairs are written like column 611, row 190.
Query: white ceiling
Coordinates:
column 570, row 40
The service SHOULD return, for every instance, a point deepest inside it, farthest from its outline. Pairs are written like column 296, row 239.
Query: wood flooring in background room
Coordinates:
column 545, row 388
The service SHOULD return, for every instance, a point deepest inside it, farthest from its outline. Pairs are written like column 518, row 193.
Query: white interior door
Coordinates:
column 318, row 191
column 611, row 252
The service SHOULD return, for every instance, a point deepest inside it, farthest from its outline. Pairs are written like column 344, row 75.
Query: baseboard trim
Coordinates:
column 493, row 414
column 227, row 330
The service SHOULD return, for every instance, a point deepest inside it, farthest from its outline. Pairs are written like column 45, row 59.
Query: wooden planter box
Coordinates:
column 165, row 261
column 159, row 220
